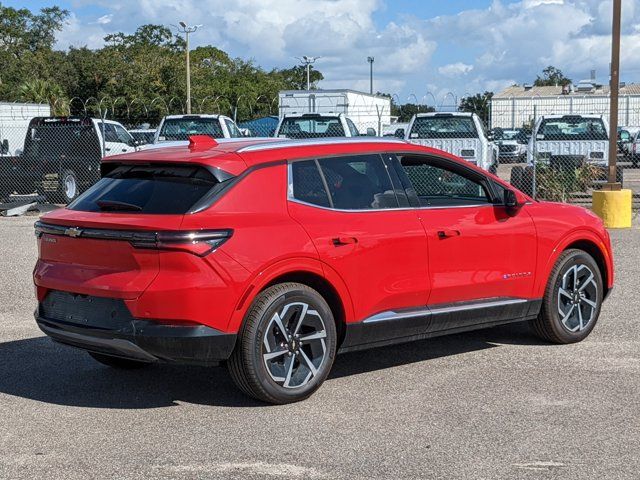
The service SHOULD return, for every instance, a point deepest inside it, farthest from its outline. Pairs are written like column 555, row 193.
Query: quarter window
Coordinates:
column 437, row 183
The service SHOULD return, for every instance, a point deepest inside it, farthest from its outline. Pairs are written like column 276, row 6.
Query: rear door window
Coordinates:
column 308, row 185
column 153, row 189
column 358, row 183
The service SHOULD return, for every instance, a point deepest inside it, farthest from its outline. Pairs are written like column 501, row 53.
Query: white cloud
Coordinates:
column 485, row 48
column 274, row 32
column 455, row 69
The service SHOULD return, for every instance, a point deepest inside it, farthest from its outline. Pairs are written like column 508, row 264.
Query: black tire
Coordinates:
column 516, row 177
column 549, row 323
column 247, row 366
column 117, row 362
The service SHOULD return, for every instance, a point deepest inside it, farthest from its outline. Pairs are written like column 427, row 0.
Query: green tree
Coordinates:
column 551, row 76
column 478, row 104
column 296, row 77
column 41, row 91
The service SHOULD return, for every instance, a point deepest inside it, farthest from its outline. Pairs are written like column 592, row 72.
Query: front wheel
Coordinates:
column 287, row 345
column 572, row 299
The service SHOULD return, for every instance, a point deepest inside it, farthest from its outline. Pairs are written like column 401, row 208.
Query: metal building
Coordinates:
column 519, row 106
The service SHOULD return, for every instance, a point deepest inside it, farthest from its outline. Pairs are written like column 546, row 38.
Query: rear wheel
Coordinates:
column 117, row 362
column 572, row 299
column 287, row 345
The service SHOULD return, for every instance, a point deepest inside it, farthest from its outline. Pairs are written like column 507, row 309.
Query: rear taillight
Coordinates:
column 200, row 242
column 197, row 242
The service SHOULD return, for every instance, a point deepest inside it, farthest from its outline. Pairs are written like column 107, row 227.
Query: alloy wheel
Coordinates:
column 578, row 298
column 294, row 345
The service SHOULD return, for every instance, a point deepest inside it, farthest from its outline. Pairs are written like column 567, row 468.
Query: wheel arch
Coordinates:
column 587, row 241
column 592, row 249
column 307, row 271
column 324, row 288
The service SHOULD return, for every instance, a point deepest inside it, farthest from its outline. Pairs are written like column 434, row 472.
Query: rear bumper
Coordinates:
column 145, row 340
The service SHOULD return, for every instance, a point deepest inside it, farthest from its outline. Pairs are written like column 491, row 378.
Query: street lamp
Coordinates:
column 307, row 61
column 370, row 60
column 186, row 29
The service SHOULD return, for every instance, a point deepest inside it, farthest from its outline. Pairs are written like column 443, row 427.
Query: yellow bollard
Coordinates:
column 613, row 207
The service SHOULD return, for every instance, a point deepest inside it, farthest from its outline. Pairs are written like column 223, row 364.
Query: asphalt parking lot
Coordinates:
column 490, row 404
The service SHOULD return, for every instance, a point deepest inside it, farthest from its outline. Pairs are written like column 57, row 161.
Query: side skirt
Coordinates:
column 392, row 327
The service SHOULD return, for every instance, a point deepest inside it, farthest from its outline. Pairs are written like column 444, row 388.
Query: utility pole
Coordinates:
column 186, row 29
column 306, row 62
column 614, row 89
column 370, row 60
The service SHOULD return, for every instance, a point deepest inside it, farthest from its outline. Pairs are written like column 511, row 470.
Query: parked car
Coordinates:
column 180, row 127
column 61, row 156
column 512, row 145
column 460, row 133
column 272, row 256
column 143, row 136
column 316, row 125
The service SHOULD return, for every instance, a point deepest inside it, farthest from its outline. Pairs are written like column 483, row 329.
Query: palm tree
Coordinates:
column 41, row 91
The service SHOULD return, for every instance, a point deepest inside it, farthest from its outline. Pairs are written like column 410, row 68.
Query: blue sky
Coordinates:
column 426, row 50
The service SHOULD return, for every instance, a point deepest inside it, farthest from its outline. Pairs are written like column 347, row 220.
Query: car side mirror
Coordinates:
column 371, row 132
column 4, row 148
column 399, row 133
column 510, row 201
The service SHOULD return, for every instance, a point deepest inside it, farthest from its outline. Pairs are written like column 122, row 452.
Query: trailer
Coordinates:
column 14, row 123
column 364, row 109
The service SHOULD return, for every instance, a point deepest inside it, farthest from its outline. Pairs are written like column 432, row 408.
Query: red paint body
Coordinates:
column 396, row 261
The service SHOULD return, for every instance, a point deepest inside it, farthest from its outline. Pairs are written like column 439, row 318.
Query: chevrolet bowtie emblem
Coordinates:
column 73, row 232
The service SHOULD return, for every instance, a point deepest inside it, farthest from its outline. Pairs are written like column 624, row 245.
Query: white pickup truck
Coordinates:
column 569, row 141
column 178, row 128
column 318, row 125
column 460, row 133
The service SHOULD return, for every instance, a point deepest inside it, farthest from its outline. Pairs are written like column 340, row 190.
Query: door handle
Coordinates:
column 124, row 149
column 107, row 149
column 339, row 241
column 448, row 233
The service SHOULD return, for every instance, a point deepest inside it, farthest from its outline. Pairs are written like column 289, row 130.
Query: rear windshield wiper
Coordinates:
column 114, row 205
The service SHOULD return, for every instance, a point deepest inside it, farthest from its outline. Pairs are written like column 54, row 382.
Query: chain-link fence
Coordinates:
column 557, row 147
column 555, row 152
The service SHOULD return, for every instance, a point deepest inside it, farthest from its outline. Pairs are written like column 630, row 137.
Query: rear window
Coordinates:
column 178, row 129
column 311, row 127
column 572, row 128
column 54, row 138
column 154, row 189
column 446, row 126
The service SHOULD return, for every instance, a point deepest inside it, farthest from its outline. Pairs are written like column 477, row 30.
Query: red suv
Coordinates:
column 273, row 255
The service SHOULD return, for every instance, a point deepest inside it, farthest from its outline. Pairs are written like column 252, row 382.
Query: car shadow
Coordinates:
column 41, row 370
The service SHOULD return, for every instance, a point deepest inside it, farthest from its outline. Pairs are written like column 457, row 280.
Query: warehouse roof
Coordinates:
column 602, row 90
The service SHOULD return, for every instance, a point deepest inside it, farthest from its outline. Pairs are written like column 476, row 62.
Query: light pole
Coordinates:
column 370, row 60
column 614, row 88
column 307, row 61
column 186, row 29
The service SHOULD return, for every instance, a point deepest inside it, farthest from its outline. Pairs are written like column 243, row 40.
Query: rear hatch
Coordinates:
column 106, row 243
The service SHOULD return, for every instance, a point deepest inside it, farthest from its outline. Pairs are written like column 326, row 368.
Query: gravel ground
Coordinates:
column 491, row 404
